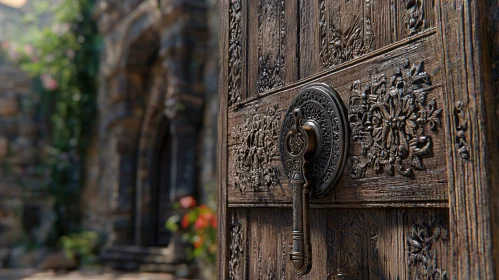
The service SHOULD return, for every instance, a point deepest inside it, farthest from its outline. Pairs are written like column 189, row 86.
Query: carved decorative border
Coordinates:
column 270, row 69
column 235, row 43
column 236, row 249
column 389, row 118
column 338, row 46
column 461, row 128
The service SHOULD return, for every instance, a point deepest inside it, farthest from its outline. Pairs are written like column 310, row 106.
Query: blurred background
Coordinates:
column 108, row 135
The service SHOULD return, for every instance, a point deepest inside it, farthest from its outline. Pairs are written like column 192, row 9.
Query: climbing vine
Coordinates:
column 60, row 49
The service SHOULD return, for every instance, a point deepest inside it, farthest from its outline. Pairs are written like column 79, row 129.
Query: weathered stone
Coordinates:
column 4, row 147
column 58, row 261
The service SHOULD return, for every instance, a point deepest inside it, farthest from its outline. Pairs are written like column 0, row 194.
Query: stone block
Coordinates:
column 8, row 105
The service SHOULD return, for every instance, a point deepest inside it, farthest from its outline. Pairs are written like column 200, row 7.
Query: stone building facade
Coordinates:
column 26, row 214
column 156, row 128
column 154, row 139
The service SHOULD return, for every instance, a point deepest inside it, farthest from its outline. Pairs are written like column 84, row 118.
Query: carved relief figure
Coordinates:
column 422, row 258
column 271, row 60
column 389, row 117
column 235, row 36
column 414, row 11
column 338, row 46
column 255, row 148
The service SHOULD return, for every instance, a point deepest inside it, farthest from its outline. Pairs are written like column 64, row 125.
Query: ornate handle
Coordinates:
column 301, row 145
column 312, row 162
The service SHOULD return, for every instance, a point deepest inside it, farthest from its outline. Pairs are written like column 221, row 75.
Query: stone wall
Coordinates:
column 25, row 209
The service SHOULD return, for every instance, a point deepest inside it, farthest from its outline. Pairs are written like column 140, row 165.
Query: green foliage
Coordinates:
column 60, row 48
column 82, row 247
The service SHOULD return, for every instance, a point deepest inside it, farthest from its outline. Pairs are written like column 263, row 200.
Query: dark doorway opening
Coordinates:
column 161, row 184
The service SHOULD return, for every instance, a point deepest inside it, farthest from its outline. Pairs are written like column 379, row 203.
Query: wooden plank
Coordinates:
column 222, row 229
column 473, row 177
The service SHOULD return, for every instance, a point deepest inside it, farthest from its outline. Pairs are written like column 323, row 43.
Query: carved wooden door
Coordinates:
column 381, row 113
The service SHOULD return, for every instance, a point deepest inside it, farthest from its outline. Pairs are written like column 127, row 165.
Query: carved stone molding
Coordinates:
column 338, row 46
column 414, row 12
column 389, row 117
column 461, row 128
column 271, row 62
column 422, row 258
column 236, row 249
column 254, row 149
column 235, row 42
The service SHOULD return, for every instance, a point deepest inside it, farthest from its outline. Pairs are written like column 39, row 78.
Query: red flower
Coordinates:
column 201, row 222
column 187, row 202
column 185, row 221
column 204, row 220
column 214, row 223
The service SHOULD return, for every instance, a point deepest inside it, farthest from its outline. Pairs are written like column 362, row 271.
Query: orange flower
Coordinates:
column 199, row 241
column 187, row 202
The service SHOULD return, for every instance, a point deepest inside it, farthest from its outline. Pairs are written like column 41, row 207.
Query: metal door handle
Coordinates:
column 313, row 146
column 301, row 143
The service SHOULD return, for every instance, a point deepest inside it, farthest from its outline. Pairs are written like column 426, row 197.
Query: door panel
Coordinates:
column 414, row 201
column 355, row 243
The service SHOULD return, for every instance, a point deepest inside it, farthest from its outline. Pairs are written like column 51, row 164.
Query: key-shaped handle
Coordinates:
column 313, row 147
column 301, row 144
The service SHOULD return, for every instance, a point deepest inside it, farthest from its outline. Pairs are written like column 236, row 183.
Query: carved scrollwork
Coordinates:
column 338, row 46
column 235, row 37
column 255, row 148
column 389, row 118
column 461, row 129
column 414, row 11
column 271, row 66
column 422, row 258
column 236, row 249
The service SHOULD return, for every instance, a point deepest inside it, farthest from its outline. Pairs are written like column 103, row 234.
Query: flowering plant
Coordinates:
column 199, row 225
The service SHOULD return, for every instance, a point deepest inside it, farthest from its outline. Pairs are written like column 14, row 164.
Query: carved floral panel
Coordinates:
column 352, row 242
column 271, row 44
column 421, row 252
column 339, row 44
column 391, row 117
column 415, row 17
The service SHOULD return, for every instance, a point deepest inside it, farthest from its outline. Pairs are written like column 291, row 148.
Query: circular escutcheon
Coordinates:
column 321, row 104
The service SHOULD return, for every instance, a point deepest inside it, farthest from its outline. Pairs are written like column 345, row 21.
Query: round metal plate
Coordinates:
column 321, row 104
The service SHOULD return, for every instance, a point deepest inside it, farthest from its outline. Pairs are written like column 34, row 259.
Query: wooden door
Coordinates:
column 416, row 197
